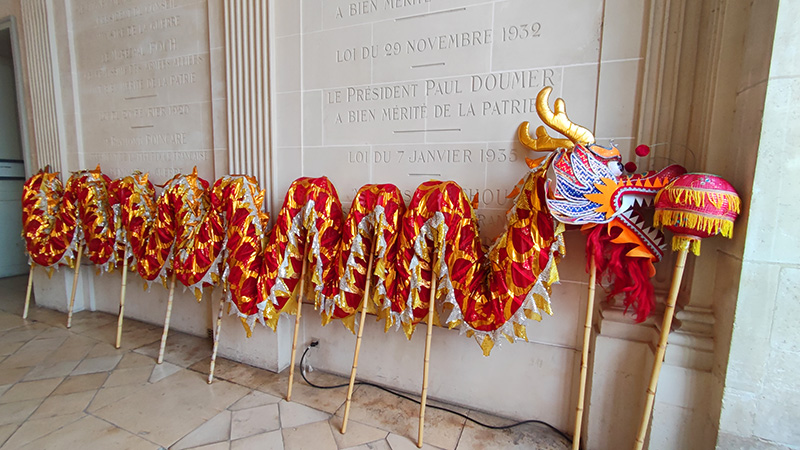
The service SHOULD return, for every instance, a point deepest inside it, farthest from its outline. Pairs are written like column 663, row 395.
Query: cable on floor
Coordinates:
column 367, row 383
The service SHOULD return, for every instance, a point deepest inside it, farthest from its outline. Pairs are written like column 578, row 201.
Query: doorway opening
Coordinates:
column 13, row 153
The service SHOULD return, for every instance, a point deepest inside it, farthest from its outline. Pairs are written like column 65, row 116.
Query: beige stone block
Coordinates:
column 216, row 24
column 217, row 63
column 265, row 441
column 374, row 114
column 81, row 383
column 331, row 163
column 732, row 440
column 754, row 318
column 775, row 415
column 98, row 364
column 314, row 436
column 32, row 353
column 676, row 428
column 33, row 429
column 617, row 93
column 738, row 412
column 579, row 91
column 289, row 13
column 312, row 118
column 221, row 163
column 112, row 395
column 412, row 165
column 17, row 412
column 219, row 111
column 784, row 61
column 30, row 390
column 166, row 34
column 217, row 429
column 538, row 377
column 781, row 371
column 684, row 387
column 290, row 161
column 287, row 57
column 551, row 43
column 89, row 431
column 624, row 29
column 335, row 58
column 384, row 411
column 252, row 421
column 254, row 399
column 10, row 375
column 162, row 371
column 441, row 5
column 784, row 336
column 289, row 118
column 57, row 405
column 182, row 349
column 620, row 370
column 312, row 11
column 135, row 375
column 170, row 409
column 160, row 125
column 357, row 433
column 342, row 13
column 452, row 42
column 486, row 106
column 51, row 370
column 475, row 437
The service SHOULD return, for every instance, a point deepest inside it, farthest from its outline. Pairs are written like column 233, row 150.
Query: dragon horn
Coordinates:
column 543, row 142
column 559, row 120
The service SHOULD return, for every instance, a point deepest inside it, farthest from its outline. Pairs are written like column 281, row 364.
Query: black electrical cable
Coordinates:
column 367, row 383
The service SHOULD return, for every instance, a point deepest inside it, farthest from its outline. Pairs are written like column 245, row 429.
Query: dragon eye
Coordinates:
column 615, row 167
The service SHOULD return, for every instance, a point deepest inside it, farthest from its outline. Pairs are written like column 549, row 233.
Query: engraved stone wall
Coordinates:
column 144, row 89
column 407, row 91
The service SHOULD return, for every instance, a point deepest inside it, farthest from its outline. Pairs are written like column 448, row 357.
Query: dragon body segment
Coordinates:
column 201, row 234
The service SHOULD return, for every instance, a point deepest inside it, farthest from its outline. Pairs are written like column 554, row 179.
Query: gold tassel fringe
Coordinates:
column 680, row 242
column 709, row 225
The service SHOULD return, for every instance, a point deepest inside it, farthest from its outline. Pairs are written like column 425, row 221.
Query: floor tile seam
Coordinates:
column 26, row 419
column 192, row 431
column 45, row 418
column 127, row 431
column 461, row 433
column 349, row 421
column 12, row 434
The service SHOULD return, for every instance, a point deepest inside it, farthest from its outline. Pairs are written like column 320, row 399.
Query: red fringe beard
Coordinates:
column 627, row 275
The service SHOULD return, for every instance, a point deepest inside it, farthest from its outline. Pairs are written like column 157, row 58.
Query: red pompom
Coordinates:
column 630, row 166
column 642, row 150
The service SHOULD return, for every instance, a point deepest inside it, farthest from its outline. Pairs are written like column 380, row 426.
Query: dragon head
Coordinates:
column 590, row 188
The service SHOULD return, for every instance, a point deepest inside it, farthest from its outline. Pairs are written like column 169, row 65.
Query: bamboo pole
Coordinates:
column 361, row 322
column 166, row 319
column 28, row 292
column 677, row 275
column 217, row 330
column 297, row 325
column 118, row 342
column 587, row 334
column 74, row 285
column 426, row 365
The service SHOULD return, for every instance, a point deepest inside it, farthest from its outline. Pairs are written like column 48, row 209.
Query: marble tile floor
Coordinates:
column 70, row 389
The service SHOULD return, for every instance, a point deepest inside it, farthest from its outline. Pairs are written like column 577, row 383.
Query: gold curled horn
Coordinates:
column 559, row 121
column 543, row 142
